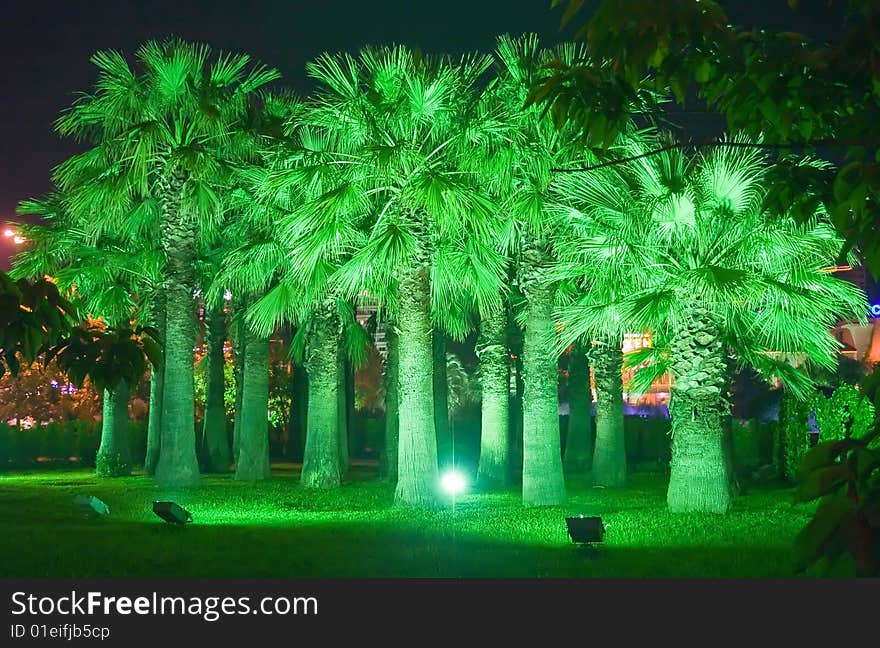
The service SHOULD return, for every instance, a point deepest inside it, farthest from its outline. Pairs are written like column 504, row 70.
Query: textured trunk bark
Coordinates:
column 578, row 456
column 157, row 386
column 214, row 428
column 543, row 481
column 609, row 456
column 253, row 445
column 389, row 454
column 321, row 464
column 114, row 453
column 699, row 478
column 445, row 445
column 494, row 360
column 417, row 447
column 178, row 465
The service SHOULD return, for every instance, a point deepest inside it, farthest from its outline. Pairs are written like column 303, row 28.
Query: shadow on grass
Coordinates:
column 105, row 548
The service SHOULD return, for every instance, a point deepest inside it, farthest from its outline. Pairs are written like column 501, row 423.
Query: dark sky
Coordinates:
column 46, row 44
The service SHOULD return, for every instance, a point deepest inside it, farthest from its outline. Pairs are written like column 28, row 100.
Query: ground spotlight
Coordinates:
column 453, row 482
column 172, row 513
column 91, row 505
column 585, row 531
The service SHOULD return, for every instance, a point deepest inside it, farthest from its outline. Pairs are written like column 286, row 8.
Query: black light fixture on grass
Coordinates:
column 585, row 531
column 172, row 513
column 91, row 505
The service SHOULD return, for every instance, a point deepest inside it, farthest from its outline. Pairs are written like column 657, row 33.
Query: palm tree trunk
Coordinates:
column 609, row 456
column 543, row 481
column 157, row 382
column 342, row 402
column 214, row 430
column 699, row 479
column 417, row 446
column 178, row 465
column 441, row 400
column 321, row 463
column 389, row 454
column 494, row 359
column 239, row 340
column 253, row 445
column 114, row 453
column 578, row 456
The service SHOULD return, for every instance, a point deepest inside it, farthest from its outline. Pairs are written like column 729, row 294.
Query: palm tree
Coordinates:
column 492, row 352
column 713, row 277
column 393, row 198
column 609, row 453
column 167, row 128
column 516, row 168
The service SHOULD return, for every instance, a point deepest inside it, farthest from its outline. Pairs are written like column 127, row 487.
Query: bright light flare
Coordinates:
column 11, row 233
column 453, row 482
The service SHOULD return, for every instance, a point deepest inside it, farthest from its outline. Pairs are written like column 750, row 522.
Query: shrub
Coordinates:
column 846, row 411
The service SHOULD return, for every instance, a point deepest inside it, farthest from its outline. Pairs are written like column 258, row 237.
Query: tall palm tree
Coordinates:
column 394, row 197
column 167, row 127
column 516, row 168
column 277, row 228
column 712, row 277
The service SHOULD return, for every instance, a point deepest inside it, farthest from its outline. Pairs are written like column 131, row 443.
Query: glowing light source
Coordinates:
column 453, row 482
column 11, row 233
column 875, row 310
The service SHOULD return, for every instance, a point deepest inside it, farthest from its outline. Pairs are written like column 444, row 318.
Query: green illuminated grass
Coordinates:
column 278, row 529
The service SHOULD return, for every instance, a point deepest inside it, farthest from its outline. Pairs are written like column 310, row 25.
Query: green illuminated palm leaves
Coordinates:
column 515, row 164
column 392, row 213
column 168, row 130
column 681, row 247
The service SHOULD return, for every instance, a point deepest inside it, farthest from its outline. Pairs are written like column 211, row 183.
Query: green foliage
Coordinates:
column 650, row 242
column 200, row 383
column 33, row 317
column 794, row 433
column 798, row 93
column 846, row 412
column 61, row 441
column 843, row 536
column 107, row 355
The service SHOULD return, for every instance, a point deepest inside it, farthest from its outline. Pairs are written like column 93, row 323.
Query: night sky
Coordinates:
column 46, row 46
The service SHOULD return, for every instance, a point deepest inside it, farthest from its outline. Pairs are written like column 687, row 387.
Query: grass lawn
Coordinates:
column 278, row 529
